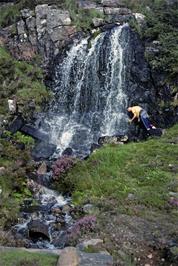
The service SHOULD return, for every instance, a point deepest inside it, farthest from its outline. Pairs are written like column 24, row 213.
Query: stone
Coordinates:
column 117, row 11
column 118, row 18
column 113, row 3
column 2, row 170
column 118, row 139
column 62, row 33
column 12, row 105
column 21, row 27
column 140, row 18
column 68, row 257
column 67, row 152
column 31, row 24
column 26, row 13
column 41, row 12
column 34, row 132
column 97, row 22
column 38, row 227
column 43, row 150
column 66, row 208
column 42, row 169
column 87, row 5
column 57, row 17
column 16, row 124
column 95, row 259
column 90, row 243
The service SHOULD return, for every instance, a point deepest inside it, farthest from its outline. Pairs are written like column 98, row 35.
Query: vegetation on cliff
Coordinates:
column 25, row 80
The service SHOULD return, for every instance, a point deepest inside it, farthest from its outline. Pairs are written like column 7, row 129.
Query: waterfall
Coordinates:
column 89, row 99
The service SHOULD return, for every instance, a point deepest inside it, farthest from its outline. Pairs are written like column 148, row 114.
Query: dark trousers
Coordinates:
column 145, row 119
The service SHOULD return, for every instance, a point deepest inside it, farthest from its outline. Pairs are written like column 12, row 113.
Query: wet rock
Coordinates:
column 94, row 147
column 16, row 124
column 113, row 139
column 67, row 152
column 68, row 257
column 38, row 228
column 34, row 132
column 60, row 240
column 42, row 169
column 66, row 208
column 56, row 209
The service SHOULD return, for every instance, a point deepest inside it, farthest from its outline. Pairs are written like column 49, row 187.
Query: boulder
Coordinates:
column 57, row 17
column 68, row 257
column 61, row 33
column 38, row 228
column 26, row 13
column 95, row 259
column 42, row 169
column 34, row 132
column 113, row 3
column 98, row 22
column 67, row 152
column 16, row 124
column 43, row 150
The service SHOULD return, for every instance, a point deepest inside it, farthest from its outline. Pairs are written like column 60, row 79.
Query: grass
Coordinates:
column 24, row 258
column 114, row 171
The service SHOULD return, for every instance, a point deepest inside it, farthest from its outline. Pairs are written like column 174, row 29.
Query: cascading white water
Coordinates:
column 89, row 93
column 116, row 100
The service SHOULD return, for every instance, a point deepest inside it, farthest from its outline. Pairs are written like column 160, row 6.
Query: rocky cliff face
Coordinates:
column 49, row 30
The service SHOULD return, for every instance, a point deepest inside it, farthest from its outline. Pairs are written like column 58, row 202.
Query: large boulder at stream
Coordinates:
column 73, row 257
column 43, row 150
column 38, row 228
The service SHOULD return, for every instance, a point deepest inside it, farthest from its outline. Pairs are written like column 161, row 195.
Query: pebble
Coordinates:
column 150, row 256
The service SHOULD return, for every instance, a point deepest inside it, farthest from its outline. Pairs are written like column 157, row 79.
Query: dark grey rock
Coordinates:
column 16, row 124
column 34, row 132
column 43, row 150
column 68, row 152
column 38, row 228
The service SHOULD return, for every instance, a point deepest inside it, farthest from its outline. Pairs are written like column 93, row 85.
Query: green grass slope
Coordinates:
column 147, row 170
column 19, row 258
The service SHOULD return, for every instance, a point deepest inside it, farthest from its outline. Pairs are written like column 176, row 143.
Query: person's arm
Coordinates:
column 132, row 118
